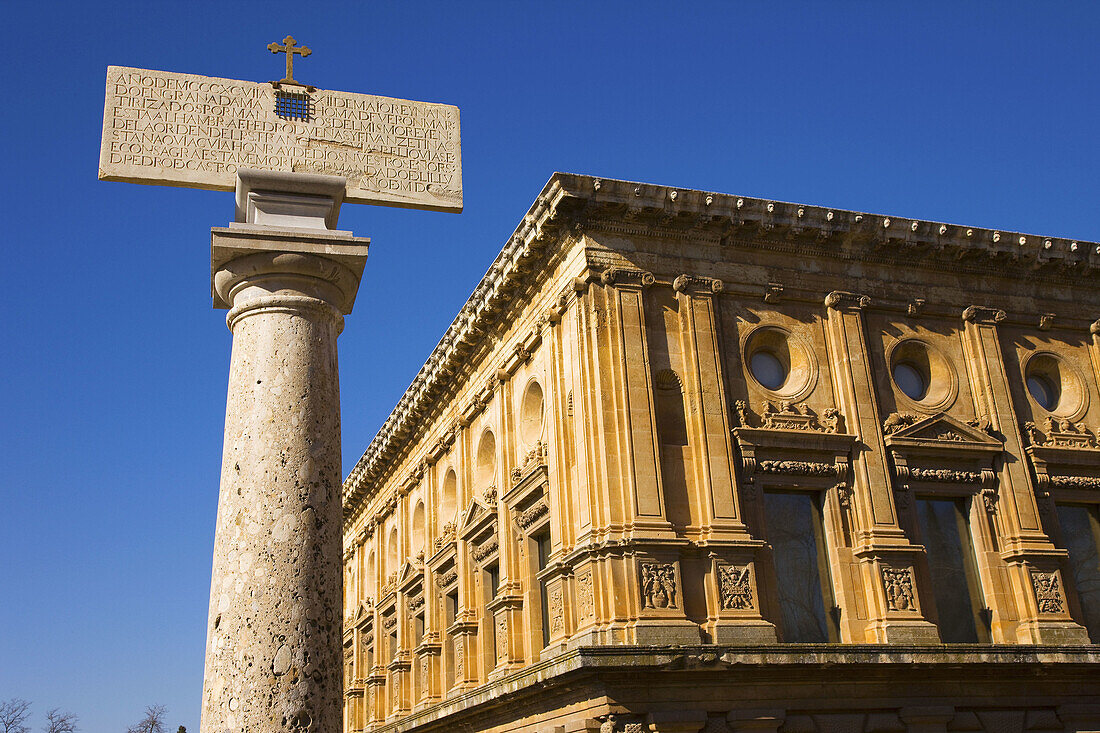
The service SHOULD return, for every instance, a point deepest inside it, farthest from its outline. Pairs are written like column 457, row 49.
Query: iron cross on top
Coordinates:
column 290, row 47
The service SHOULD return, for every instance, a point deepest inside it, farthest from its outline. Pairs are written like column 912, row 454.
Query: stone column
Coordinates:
column 273, row 655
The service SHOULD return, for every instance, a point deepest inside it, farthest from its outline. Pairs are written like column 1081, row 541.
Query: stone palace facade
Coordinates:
column 695, row 462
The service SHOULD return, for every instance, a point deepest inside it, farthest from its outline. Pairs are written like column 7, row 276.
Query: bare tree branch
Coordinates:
column 13, row 715
column 153, row 722
column 60, row 722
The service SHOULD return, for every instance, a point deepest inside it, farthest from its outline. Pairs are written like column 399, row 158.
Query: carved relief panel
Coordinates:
column 659, row 586
column 1049, row 595
column 584, row 592
column 900, row 588
column 736, row 587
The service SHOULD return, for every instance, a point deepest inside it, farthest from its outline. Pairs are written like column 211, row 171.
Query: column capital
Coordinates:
column 322, row 264
column 618, row 275
column 843, row 300
column 983, row 314
column 697, row 284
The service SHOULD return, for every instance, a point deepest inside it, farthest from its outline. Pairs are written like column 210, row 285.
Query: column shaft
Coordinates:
column 274, row 657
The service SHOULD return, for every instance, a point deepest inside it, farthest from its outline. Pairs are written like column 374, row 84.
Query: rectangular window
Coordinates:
column 797, row 536
column 450, row 612
column 945, row 533
column 492, row 580
column 389, row 649
column 418, row 629
column 1081, row 537
column 542, row 546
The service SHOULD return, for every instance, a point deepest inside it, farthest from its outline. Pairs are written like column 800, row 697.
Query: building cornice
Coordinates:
column 570, row 200
column 513, row 266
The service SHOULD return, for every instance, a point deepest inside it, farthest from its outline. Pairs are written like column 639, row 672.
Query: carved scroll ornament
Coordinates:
column 789, row 416
column 482, row 552
column 446, row 536
column 798, row 468
column 532, row 514
column 1060, row 433
column 841, row 300
column 447, row 578
column 532, row 459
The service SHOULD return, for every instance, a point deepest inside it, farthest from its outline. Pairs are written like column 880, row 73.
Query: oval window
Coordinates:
column 911, row 381
column 768, row 369
column 1042, row 391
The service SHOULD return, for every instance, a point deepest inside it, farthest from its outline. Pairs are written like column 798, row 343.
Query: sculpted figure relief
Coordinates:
column 555, row 609
column 787, row 415
column 898, row 584
column 659, row 585
column 584, row 595
column 502, row 639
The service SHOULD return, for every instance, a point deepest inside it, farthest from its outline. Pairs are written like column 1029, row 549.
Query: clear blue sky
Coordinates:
column 112, row 385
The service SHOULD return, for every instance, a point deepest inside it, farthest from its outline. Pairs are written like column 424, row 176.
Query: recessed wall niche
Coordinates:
column 530, row 414
column 486, row 459
column 922, row 376
column 780, row 362
column 1055, row 386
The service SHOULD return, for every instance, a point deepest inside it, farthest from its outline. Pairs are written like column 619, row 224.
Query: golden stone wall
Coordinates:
column 591, row 457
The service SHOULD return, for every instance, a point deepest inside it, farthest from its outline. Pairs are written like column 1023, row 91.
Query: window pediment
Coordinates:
column 908, row 433
column 477, row 517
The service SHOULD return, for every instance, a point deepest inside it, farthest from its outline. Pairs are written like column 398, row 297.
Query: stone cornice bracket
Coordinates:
column 565, row 298
column 1046, row 321
column 693, row 284
column 983, row 314
column 1094, row 328
column 915, row 309
column 843, row 300
column 619, row 276
column 773, row 292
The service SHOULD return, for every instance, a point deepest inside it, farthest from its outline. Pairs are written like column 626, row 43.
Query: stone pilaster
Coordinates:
column 707, row 412
column 273, row 657
column 730, row 619
column 634, row 417
column 1025, row 547
column 881, row 545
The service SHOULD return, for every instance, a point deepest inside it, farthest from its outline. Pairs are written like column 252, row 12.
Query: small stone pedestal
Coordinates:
column 273, row 654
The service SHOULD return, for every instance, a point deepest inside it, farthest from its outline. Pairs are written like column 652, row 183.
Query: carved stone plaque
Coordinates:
column 169, row 129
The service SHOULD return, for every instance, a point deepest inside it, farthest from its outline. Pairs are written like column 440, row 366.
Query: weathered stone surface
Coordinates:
column 594, row 463
column 273, row 660
column 197, row 131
